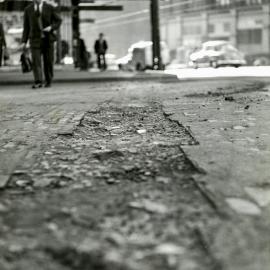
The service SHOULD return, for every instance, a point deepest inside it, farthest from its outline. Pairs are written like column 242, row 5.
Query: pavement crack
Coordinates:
column 214, row 263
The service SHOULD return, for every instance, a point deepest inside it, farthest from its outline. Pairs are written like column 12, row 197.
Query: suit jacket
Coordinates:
column 2, row 36
column 101, row 48
column 33, row 24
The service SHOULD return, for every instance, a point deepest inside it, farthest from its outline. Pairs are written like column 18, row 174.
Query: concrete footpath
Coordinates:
column 14, row 76
column 232, row 127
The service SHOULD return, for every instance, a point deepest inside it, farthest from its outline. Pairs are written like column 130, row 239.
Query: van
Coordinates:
column 141, row 56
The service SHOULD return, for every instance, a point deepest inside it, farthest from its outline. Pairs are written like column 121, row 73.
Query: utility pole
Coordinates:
column 58, row 44
column 75, row 30
column 157, row 61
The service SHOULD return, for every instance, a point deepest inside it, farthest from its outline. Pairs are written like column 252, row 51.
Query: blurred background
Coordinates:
column 238, row 29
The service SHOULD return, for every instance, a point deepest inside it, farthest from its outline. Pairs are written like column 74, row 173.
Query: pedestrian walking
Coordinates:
column 82, row 55
column 40, row 22
column 101, row 47
column 2, row 43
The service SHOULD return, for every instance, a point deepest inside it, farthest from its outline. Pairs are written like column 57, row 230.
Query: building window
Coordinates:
column 227, row 27
column 211, row 28
column 192, row 30
column 249, row 36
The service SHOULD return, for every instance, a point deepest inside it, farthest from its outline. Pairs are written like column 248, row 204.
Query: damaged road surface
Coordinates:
column 135, row 176
column 116, row 194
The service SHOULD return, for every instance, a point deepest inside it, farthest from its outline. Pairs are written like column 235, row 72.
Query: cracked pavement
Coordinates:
column 135, row 175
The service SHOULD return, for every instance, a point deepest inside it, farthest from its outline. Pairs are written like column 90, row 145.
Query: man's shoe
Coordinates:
column 47, row 85
column 36, row 85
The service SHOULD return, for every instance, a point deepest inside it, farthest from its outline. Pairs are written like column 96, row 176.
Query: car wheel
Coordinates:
column 236, row 66
column 214, row 64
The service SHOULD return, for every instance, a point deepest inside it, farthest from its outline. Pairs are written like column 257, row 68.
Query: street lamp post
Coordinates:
column 157, row 60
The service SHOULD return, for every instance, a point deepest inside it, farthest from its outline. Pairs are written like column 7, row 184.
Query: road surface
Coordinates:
column 135, row 175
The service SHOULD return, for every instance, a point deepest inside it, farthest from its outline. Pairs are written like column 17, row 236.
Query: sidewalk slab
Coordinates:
column 233, row 151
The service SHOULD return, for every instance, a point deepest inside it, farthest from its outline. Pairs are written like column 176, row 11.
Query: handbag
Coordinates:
column 26, row 63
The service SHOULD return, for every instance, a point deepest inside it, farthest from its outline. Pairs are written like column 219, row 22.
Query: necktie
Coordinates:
column 39, row 19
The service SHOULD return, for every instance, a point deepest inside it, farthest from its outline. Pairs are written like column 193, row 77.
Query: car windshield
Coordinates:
column 213, row 48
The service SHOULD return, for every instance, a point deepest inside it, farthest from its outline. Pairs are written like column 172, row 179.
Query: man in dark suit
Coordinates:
column 101, row 47
column 2, row 42
column 40, row 22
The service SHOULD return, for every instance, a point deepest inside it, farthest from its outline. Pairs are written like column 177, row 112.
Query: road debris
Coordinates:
column 141, row 131
column 239, row 127
column 229, row 98
column 169, row 249
column 260, row 195
column 242, row 206
column 149, row 206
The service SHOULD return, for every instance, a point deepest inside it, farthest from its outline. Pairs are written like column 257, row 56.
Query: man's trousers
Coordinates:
column 101, row 61
column 46, row 53
column 1, row 54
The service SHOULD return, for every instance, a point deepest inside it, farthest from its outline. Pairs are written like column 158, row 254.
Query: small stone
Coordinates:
column 239, row 128
column 23, row 183
column 189, row 114
column 95, row 121
column 260, row 195
column 87, row 183
column 15, row 248
column 116, row 239
column 111, row 181
column 152, row 207
column 242, row 206
column 3, row 180
column 141, row 131
column 43, row 182
column 3, row 208
column 169, row 249
column 247, row 107
column 52, row 227
column 45, row 165
column 229, row 98
column 162, row 179
column 113, row 128
column 66, row 132
column 9, row 145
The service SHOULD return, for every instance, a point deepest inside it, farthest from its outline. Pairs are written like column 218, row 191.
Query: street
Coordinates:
column 142, row 174
column 221, row 72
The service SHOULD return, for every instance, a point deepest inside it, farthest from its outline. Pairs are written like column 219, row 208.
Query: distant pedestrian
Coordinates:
column 40, row 22
column 82, row 55
column 101, row 47
column 2, row 43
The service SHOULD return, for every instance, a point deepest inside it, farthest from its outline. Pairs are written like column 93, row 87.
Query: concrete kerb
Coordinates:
column 62, row 76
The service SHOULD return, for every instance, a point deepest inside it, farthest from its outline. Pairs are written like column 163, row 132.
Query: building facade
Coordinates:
column 184, row 24
column 245, row 23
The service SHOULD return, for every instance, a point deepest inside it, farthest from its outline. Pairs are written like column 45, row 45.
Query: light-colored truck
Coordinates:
column 140, row 56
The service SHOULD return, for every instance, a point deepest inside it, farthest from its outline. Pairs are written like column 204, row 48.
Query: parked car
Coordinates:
column 258, row 59
column 139, row 56
column 217, row 53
